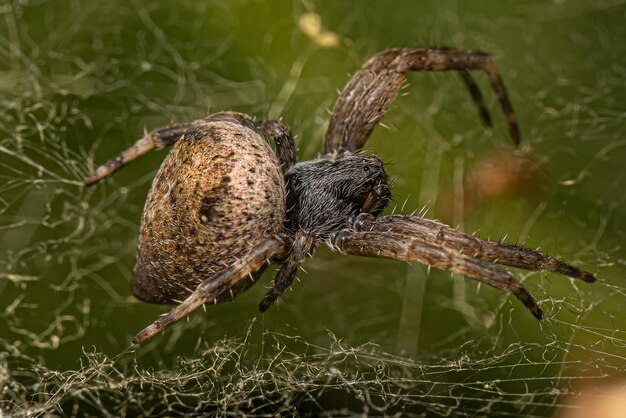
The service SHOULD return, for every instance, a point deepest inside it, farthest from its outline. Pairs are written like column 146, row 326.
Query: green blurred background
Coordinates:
column 80, row 81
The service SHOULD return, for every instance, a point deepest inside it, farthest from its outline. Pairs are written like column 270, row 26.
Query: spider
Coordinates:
column 224, row 204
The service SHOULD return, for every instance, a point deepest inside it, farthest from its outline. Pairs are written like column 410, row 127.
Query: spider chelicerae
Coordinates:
column 223, row 204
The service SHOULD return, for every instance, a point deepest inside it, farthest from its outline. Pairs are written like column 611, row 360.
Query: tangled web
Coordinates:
column 81, row 80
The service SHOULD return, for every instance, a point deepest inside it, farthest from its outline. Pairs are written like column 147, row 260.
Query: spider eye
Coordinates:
column 366, row 169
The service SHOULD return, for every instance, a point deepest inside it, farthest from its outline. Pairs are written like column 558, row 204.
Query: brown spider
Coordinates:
column 223, row 204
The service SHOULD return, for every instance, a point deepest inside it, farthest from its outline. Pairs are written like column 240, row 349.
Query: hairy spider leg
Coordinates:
column 159, row 138
column 303, row 245
column 477, row 97
column 210, row 289
column 441, row 235
column 169, row 135
column 408, row 248
column 371, row 90
column 280, row 134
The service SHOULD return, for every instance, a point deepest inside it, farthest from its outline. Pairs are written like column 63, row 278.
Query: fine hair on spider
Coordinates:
column 224, row 204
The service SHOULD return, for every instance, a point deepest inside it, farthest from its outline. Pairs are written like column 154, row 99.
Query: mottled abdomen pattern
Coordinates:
column 218, row 193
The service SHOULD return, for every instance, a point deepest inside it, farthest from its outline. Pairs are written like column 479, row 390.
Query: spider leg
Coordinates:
column 159, row 138
column 441, row 235
column 303, row 245
column 477, row 97
column 405, row 247
column 280, row 134
column 166, row 136
column 370, row 92
column 210, row 289
column 281, row 282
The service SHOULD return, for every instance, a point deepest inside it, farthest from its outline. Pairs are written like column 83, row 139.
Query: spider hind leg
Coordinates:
column 216, row 285
column 280, row 134
column 159, row 138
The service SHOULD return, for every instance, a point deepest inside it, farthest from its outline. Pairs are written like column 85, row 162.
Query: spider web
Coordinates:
column 79, row 81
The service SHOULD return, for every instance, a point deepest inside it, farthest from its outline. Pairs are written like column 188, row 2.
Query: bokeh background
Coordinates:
column 80, row 81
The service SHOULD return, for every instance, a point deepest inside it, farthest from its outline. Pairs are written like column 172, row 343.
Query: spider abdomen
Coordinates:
column 217, row 194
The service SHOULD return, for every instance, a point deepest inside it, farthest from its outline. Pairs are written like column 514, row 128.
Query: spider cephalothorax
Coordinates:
column 223, row 205
column 324, row 194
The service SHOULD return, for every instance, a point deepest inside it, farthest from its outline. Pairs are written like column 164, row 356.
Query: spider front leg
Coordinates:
column 408, row 248
column 370, row 92
column 441, row 235
column 477, row 97
column 213, row 287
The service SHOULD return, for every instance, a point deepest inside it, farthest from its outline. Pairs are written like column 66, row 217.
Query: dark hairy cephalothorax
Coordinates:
column 224, row 204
